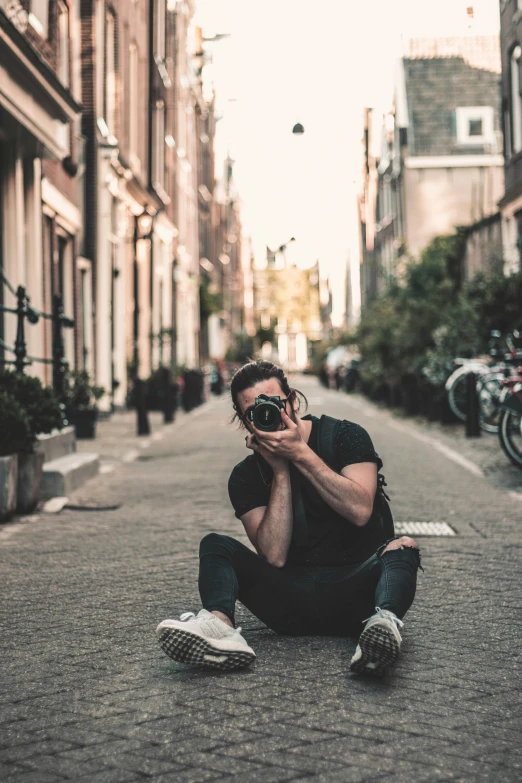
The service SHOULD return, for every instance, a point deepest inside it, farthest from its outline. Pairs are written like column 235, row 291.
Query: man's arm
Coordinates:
column 269, row 528
column 351, row 493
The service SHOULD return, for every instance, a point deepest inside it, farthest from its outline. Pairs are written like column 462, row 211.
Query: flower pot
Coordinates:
column 8, row 485
column 83, row 421
column 30, row 467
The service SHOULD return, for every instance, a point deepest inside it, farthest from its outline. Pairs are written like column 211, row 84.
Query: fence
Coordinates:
column 25, row 312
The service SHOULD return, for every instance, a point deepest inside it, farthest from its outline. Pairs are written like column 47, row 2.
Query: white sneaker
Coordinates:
column 205, row 640
column 379, row 644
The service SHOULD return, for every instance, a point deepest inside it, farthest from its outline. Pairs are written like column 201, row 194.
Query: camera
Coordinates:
column 266, row 413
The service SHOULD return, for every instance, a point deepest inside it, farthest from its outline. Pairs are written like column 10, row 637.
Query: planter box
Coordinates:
column 8, row 485
column 57, row 443
column 30, row 467
column 83, row 421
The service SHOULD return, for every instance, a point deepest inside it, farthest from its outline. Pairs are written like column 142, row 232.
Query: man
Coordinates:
column 331, row 570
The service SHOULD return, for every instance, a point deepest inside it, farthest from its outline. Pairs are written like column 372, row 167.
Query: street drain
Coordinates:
column 424, row 529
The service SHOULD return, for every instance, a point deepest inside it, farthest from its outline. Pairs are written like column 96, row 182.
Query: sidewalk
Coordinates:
column 87, row 694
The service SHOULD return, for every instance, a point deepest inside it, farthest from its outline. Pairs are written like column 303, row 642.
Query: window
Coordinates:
column 100, row 47
column 475, row 126
column 516, row 101
column 110, row 71
column 39, row 16
column 133, row 105
column 159, row 29
column 63, row 44
column 158, row 169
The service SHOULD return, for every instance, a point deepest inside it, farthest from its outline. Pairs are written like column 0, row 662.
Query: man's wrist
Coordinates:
column 303, row 455
column 282, row 471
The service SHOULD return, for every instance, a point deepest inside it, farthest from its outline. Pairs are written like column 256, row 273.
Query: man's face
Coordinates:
column 272, row 388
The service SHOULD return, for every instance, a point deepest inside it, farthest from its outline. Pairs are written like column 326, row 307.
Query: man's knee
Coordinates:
column 401, row 543
column 214, row 543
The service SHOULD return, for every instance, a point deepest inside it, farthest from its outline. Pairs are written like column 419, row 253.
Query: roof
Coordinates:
column 478, row 51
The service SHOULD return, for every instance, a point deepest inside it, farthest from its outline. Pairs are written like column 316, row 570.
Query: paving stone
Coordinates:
column 109, row 776
column 87, row 695
column 34, row 777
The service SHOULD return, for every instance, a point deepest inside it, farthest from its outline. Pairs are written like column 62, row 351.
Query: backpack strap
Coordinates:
column 326, row 435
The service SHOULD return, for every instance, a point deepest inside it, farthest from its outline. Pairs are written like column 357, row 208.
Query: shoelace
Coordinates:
column 381, row 613
column 190, row 615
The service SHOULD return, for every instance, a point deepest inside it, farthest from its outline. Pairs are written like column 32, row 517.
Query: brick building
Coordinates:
column 511, row 202
column 434, row 163
column 40, row 166
column 107, row 186
column 128, row 62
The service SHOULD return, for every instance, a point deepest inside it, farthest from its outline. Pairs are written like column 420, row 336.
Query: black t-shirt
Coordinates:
column 332, row 540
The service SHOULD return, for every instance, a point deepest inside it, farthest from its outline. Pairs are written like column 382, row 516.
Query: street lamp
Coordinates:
column 142, row 230
column 298, row 129
column 282, row 248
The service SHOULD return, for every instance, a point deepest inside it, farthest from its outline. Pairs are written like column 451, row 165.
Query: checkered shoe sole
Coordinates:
column 188, row 647
column 380, row 650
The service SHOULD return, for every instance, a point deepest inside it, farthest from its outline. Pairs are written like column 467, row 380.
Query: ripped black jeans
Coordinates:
column 304, row 600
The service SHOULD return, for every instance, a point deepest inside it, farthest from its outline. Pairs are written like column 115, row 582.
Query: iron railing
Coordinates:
column 24, row 311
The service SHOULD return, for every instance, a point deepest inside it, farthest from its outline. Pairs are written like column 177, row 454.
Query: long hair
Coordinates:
column 255, row 372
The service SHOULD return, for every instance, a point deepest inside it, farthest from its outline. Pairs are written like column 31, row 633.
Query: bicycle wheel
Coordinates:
column 510, row 436
column 488, row 390
column 456, row 389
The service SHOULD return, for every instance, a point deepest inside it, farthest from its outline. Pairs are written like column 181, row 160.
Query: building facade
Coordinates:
column 511, row 202
column 108, row 190
column 40, row 169
column 436, row 162
column 290, row 308
column 129, row 120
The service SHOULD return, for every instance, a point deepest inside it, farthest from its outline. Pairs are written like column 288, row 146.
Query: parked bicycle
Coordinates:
column 489, row 380
column 510, row 423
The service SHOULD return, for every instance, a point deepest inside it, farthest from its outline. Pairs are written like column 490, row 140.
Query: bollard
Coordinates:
column 473, row 407
column 20, row 344
column 142, row 416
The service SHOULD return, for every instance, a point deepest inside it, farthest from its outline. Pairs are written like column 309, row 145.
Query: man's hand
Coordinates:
column 286, row 444
column 277, row 464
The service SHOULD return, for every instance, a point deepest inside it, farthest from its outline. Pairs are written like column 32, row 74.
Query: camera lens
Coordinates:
column 266, row 416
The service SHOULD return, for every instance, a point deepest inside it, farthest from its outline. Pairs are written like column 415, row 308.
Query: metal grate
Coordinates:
column 424, row 529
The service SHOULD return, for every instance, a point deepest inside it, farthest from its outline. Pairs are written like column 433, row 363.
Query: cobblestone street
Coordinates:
column 87, row 694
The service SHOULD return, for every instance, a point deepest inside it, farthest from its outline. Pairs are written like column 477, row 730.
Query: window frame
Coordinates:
column 109, row 71
column 134, row 71
column 464, row 115
column 515, row 100
column 160, row 30
column 64, row 37
column 41, row 25
column 158, row 135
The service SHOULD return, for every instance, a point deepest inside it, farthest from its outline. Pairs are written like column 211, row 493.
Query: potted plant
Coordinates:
column 44, row 414
column 15, row 437
column 81, row 397
column 162, row 393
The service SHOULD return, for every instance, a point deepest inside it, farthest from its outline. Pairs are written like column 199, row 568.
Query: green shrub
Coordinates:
column 40, row 404
column 430, row 317
column 241, row 350
column 15, row 427
column 80, row 393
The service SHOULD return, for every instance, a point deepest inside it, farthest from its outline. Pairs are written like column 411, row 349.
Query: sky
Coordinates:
column 317, row 62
